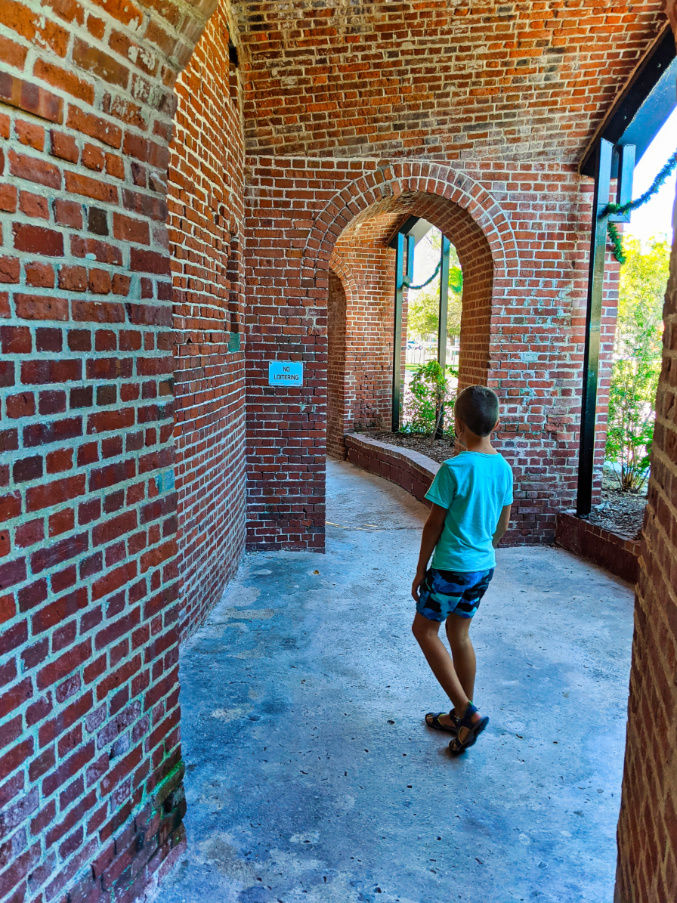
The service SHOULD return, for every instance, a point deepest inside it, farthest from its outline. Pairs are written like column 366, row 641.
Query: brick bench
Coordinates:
column 411, row 470
column 414, row 472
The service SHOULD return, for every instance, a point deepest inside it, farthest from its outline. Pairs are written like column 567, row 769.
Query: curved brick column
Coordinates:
column 90, row 758
column 647, row 829
column 206, row 238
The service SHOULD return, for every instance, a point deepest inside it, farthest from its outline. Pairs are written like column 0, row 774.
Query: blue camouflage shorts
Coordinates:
column 443, row 593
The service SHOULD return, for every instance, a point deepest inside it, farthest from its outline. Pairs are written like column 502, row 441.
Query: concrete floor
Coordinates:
column 310, row 776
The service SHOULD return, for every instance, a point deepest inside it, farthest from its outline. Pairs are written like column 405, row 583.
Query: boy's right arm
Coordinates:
column 503, row 523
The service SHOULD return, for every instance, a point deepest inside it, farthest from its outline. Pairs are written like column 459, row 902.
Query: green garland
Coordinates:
column 658, row 182
column 414, row 288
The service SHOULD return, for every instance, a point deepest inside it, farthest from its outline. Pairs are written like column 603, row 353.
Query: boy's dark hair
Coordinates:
column 477, row 407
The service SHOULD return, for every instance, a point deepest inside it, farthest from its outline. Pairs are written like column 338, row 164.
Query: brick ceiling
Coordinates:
column 440, row 78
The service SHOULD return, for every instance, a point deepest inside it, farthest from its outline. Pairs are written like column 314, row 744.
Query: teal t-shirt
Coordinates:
column 473, row 487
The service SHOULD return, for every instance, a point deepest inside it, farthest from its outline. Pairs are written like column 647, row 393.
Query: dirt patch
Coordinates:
column 620, row 512
column 439, row 449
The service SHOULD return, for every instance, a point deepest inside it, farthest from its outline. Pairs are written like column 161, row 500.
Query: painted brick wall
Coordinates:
column 647, row 829
column 90, row 762
column 206, row 239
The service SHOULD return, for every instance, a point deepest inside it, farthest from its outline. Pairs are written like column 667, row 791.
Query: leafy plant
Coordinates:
column 636, row 368
column 631, row 419
column 429, row 394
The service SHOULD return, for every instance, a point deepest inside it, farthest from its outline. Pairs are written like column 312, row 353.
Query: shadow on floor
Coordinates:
column 310, row 776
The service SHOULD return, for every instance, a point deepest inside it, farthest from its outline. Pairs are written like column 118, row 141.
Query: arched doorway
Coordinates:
column 362, row 275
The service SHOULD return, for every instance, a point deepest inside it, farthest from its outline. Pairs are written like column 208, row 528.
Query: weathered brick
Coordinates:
column 647, row 827
column 35, row 307
column 64, row 665
column 30, row 98
column 38, row 240
column 155, row 310
column 34, row 169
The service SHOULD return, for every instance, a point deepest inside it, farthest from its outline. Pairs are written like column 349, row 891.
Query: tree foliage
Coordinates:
column 636, row 368
column 424, row 305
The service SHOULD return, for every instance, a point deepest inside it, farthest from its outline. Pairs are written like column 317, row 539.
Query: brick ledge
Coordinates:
column 409, row 469
column 615, row 553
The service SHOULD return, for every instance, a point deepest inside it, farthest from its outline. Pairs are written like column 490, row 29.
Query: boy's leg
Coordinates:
column 462, row 651
column 427, row 636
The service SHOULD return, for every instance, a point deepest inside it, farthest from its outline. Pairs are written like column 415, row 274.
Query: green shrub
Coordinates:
column 636, row 368
column 429, row 390
column 631, row 420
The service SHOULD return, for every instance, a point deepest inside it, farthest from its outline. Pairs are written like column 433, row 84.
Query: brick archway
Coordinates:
column 399, row 180
column 351, row 237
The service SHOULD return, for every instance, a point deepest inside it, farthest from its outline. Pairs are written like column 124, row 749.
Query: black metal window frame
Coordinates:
column 404, row 242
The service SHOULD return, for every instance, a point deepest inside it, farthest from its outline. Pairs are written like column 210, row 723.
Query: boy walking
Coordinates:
column 471, row 498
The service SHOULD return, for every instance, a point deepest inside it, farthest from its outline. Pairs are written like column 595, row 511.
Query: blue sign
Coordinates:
column 285, row 373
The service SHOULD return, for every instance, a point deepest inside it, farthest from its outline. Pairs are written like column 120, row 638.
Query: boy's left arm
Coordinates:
column 431, row 534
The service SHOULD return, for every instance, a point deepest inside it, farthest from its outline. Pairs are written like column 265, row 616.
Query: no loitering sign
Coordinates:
column 285, row 373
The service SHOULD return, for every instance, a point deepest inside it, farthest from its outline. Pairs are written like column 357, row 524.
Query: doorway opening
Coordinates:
column 372, row 352
column 432, row 333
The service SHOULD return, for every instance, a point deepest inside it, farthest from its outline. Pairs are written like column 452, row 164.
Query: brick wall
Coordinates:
column 437, row 79
column 206, row 238
column 647, row 829
column 90, row 767
column 522, row 236
column 340, row 93
column 90, row 762
column 366, row 267
column 336, row 347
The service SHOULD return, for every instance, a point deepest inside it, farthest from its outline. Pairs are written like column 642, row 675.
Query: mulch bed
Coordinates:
column 619, row 512
column 439, row 449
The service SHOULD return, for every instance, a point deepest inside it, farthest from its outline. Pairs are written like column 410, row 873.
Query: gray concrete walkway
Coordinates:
column 310, row 776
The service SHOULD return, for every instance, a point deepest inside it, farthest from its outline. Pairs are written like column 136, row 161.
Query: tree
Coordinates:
column 637, row 352
column 424, row 304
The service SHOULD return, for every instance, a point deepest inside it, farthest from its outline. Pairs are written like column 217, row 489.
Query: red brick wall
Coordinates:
column 336, row 350
column 206, row 185
column 525, row 288
column 90, row 762
column 367, row 268
column 90, row 773
column 477, row 82
column 509, row 110
column 647, row 829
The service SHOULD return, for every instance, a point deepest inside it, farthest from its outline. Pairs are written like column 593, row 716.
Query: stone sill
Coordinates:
column 615, row 553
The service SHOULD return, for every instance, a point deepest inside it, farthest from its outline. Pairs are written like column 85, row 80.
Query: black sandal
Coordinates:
column 468, row 731
column 433, row 720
